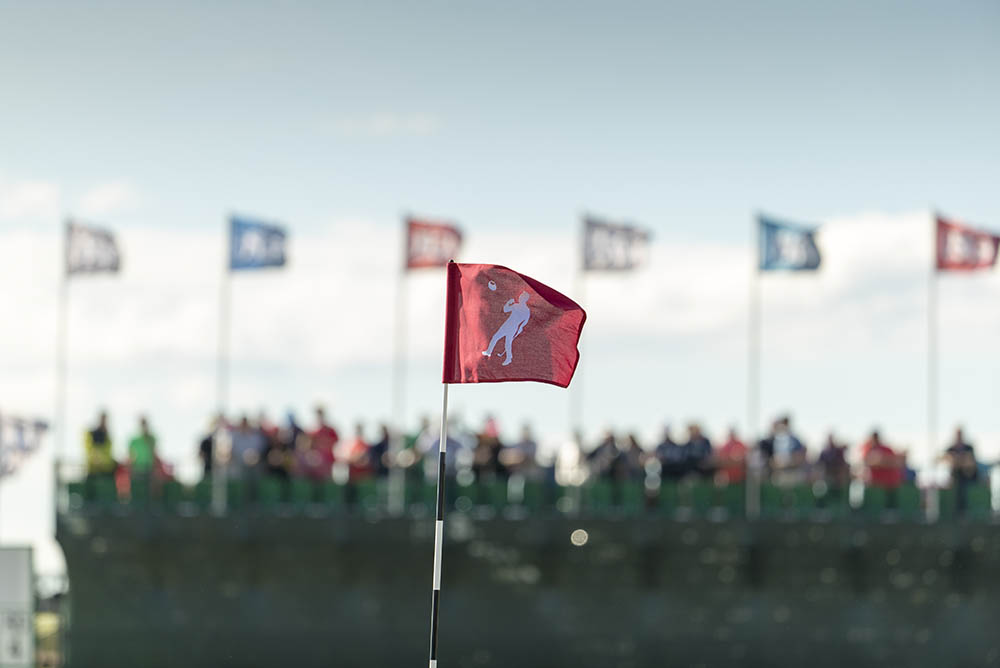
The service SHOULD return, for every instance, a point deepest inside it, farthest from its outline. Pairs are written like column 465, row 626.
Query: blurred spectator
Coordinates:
column 356, row 453
column 698, row 452
column 961, row 457
column 318, row 457
column 279, row 447
column 883, row 467
column 415, row 444
column 604, row 459
column 732, row 460
column 784, row 454
column 97, row 444
column 268, row 429
column 521, row 457
column 633, row 460
column 379, row 452
column 142, row 451
column 486, row 458
column 247, row 448
column 207, row 444
column 832, row 463
column 673, row 462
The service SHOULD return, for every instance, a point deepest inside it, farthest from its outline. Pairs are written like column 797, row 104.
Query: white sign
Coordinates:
column 17, row 616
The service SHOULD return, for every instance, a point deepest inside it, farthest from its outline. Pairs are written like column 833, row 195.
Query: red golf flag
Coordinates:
column 963, row 248
column 431, row 244
column 504, row 326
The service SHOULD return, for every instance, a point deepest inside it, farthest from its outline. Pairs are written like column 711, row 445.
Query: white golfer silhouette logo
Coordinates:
column 514, row 325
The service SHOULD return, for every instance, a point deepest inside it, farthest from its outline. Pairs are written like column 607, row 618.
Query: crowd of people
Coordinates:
column 245, row 448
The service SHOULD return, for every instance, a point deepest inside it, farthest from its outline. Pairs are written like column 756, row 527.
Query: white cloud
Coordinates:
column 108, row 198
column 28, row 200
column 384, row 124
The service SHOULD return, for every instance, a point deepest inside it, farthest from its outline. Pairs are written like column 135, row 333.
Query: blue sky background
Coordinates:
column 511, row 119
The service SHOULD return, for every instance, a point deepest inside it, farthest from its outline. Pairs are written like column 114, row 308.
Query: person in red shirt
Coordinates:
column 356, row 453
column 883, row 467
column 732, row 460
column 323, row 442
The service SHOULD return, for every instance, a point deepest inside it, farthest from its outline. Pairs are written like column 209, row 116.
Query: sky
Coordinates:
column 159, row 121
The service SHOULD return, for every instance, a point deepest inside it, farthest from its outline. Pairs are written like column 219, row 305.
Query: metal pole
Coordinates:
column 396, row 474
column 753, row 381
column 932, row 370
column 62, row 338
column 219, row 492
column 439, row 528
column 576, row 392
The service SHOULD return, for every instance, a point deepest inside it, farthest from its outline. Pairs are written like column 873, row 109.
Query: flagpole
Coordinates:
column 62, row 338
column 396, row 474
column 576, row 394
column 439, row 529
column 753, row 379
column 932, row 366
column 219, row 500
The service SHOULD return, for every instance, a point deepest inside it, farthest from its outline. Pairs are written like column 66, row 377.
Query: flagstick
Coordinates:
column 219, row 491
column 932, row 369
column 753, row 381
column 439, row 528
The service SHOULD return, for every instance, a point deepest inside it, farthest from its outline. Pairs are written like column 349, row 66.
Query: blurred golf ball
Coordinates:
column 492, row 286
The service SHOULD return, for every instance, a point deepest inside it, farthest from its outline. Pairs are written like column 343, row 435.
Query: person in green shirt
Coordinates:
column 142, row 449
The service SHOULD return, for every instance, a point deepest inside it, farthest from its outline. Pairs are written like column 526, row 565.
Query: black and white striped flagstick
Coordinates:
column 439, row 529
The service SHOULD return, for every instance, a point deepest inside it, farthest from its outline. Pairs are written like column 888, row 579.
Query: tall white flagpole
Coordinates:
column 219, row 500
column 932, row 366
column 397, row 482
column 579, row 283
column 62, row 338
column 753, row 378
column 439, row 529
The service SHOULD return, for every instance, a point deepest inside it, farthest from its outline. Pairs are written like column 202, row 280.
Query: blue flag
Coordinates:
column 786, row 246
column 253, row 244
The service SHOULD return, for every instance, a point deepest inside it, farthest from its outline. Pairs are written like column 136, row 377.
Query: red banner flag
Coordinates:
column 504, row 326
column 962, row 248
column 430, row 244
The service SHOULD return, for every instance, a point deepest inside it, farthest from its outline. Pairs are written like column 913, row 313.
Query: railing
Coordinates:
column 519, row 497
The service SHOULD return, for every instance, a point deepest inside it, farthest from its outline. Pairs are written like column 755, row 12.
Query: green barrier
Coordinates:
column 201, row 494
column 301, row 492
column 270, row 492
column 365, row 494
column 598, row 496
column 102, row 492
column 77, row 492
column 803, row 499
column 633, row 496
column 495, row 494
column 770, row 500
column 874, row 502
column 979, row 502
column 669, row 497
column 236, row 494
column 534, row 495
column 139, row 496
column 701, row 496
column 332, row 495
column 173, row 494
column 909, row 501
column 734, row 498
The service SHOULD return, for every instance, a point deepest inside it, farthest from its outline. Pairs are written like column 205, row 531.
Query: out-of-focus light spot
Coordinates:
column 579, row 537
